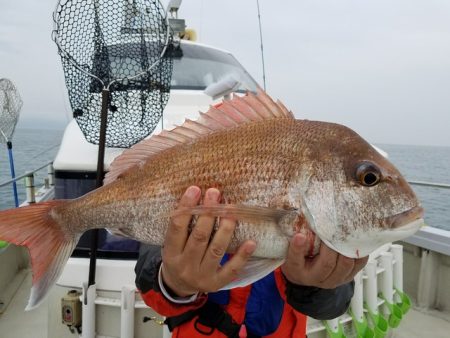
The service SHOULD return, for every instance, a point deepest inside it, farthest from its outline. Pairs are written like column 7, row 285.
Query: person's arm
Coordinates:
column 147, row 271
column 320, row 287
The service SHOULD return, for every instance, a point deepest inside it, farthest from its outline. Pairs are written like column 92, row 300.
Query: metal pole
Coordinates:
column 99, row 182
column 13, row 173
column 102, row 139
column 262, row 48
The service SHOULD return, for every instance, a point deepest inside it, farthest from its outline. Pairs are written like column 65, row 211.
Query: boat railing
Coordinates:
column 29, row 181
column 430, row 184
column 49, row 181
column 379, row 302
column 430, row 237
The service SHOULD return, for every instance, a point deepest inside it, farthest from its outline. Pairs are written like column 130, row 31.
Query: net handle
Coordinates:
column 67, row 55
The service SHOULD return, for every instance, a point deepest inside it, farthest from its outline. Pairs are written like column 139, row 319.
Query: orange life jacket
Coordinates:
column 292, row 323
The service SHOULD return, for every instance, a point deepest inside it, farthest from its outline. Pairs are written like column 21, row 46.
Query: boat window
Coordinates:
column 109, row 246
column 200, row 66
column 195, row 68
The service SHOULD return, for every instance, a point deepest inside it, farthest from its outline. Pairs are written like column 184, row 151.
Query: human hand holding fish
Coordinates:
column 191, row 261
column 327, row 270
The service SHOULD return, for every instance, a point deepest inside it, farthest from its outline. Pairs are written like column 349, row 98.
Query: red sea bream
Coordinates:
column 277, row 175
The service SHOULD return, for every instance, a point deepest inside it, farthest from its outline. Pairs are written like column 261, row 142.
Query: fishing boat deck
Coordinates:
column 15, row 322
column 423, row 323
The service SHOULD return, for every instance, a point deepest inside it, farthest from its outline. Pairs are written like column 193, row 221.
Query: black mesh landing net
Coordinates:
column 10, row 105
column 120, row 45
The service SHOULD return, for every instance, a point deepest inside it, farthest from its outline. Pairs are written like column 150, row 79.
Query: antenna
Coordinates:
column 262, row 48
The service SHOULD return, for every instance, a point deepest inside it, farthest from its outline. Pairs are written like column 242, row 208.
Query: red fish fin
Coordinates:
column 226, row 115
column 239, row 212
column 49, row 246
column 255, row 269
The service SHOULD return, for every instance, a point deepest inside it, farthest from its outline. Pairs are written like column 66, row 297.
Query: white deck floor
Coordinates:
column 417, row 324
column 16, row 323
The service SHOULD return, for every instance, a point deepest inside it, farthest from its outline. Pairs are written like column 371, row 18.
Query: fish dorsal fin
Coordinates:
column 228, row 114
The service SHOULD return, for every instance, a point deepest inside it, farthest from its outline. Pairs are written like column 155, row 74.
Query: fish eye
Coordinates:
column 368, row 174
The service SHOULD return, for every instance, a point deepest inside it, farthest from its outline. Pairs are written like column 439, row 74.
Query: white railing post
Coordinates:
column 371, row 289
column 380, row 325
column 51, row 174
column 88, row 311
column 387, row 279
column 127, row 312
column 357, row 299
column 397, row 251
column 333, row 324
column 428, row 281
column 29, row 185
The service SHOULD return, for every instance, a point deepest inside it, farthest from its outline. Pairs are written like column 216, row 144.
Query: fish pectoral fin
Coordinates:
column 240, row 212
column 255, row 269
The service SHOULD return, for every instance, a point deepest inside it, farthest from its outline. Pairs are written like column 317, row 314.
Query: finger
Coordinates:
column 358, row 266
column 295, row 266
column 342, row 270
column 230, row 271
column 198, row 240
column 298, row 249
column 177, row 232
column 219, row 244
column 323, row 264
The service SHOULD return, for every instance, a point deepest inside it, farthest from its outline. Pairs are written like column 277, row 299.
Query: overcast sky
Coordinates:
column 380, row 67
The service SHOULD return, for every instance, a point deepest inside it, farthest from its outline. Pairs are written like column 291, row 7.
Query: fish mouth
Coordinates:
column 404, row 218
column 396, row 227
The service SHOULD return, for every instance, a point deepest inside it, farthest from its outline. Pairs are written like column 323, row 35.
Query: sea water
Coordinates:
column 33, row 148
column 430, row 164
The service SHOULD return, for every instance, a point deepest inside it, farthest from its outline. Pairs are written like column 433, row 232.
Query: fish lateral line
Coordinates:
column 237, row 212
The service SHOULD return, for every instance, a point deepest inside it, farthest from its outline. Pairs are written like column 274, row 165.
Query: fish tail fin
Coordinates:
column 49, row 245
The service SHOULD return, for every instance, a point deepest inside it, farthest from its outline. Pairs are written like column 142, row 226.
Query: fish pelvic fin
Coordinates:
column 49, row 245
column 225, row 115
column 240, row 212
column 255, row 269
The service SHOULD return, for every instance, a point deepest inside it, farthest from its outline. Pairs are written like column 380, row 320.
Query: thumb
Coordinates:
column 295, row 263
column 298, row 247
